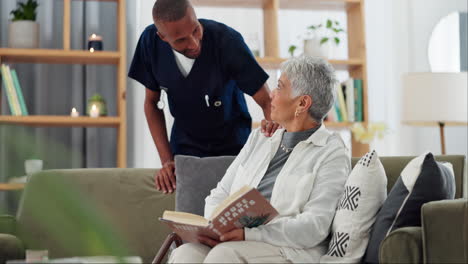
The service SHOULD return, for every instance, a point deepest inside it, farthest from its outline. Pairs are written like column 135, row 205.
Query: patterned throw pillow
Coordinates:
column 365, row 192
column 421, row 181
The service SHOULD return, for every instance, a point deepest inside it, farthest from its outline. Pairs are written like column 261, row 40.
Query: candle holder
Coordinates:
column 94, row 112
column 95, row 43
column 74, row 113
column 100, row 103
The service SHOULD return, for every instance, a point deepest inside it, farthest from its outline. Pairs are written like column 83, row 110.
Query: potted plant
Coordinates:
column 32, row 165
column 319, row 39
column 23, row 31
column 292, row 49
column 100, row 103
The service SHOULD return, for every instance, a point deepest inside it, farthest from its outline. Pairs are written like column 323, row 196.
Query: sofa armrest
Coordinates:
column 445, row 231
column 10, row 248
column 403, row 245
column 7, row 224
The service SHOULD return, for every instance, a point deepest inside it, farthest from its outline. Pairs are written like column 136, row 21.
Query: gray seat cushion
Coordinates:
column 195, row 178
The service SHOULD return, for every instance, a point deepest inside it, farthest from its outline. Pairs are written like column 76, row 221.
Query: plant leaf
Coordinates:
column 323, row 40
column 291, row 50
column 337, row 41
column 25, row 11
column 329, row 23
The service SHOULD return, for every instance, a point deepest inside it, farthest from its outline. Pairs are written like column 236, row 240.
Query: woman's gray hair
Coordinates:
column 314, row 77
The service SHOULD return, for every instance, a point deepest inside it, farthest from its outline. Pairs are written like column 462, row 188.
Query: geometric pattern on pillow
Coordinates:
column 338, row 244
column 422, row 180
column 364, row 193
column 366, row 159
column 350, row 198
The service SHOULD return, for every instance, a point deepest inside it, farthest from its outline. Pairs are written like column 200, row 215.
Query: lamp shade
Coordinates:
column 433, row 97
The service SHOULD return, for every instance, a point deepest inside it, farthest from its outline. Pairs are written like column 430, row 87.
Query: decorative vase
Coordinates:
column 23, row 34
column 312, row 47
column 32, row 166
column 100, row 104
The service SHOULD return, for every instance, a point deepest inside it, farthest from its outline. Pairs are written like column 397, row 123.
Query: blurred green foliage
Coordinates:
column 83, row 228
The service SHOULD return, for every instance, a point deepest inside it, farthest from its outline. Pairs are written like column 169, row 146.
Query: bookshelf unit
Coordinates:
column 69, row 56
column 356, row 64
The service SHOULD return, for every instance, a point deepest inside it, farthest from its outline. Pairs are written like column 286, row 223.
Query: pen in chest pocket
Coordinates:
column 216, row 103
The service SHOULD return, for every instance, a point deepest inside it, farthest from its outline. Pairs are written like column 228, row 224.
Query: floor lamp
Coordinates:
column 435, row 98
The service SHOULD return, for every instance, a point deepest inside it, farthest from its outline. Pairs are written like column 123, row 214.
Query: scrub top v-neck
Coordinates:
column 208, row 105
column 185, row 64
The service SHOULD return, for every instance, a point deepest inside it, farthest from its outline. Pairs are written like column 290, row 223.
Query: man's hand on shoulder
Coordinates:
column 269, row 127
column 263, row 99
column 165, row 178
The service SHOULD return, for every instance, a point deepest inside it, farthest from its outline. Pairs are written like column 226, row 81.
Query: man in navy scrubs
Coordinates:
column 205, row 68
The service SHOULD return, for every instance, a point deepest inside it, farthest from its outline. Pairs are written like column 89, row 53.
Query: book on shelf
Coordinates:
column 336, row 107
column 349, row 95
column 358, row 101
column 244, row 208
column 6, row 89
column 24, row 110
column 332, row 115
column 10, row 91
column 349, row 106
column 341, row 103
column 16, row 102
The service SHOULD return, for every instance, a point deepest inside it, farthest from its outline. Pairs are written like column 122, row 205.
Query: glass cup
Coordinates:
column 37, row 255
column 32, row 166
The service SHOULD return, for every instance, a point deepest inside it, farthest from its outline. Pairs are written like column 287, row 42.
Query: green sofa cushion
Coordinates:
column 88, row 212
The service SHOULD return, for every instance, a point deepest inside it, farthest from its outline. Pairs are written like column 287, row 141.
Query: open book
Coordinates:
column 244, row 208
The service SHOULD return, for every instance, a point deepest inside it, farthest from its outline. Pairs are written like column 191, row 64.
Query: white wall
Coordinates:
column 387, row 41
column 397, row 35
column 143, row 151
column 423, row 20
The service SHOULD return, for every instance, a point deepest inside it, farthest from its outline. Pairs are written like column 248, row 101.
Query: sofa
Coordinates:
column 91, row 212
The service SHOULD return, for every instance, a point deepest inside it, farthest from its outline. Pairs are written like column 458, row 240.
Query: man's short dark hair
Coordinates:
column 170, row 10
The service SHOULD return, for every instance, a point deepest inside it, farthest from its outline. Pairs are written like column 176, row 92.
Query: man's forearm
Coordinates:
column 263, row 99
column 157, row 125
column 267, row 111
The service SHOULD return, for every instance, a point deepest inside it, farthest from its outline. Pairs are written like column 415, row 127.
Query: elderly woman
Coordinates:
column 301, row 169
